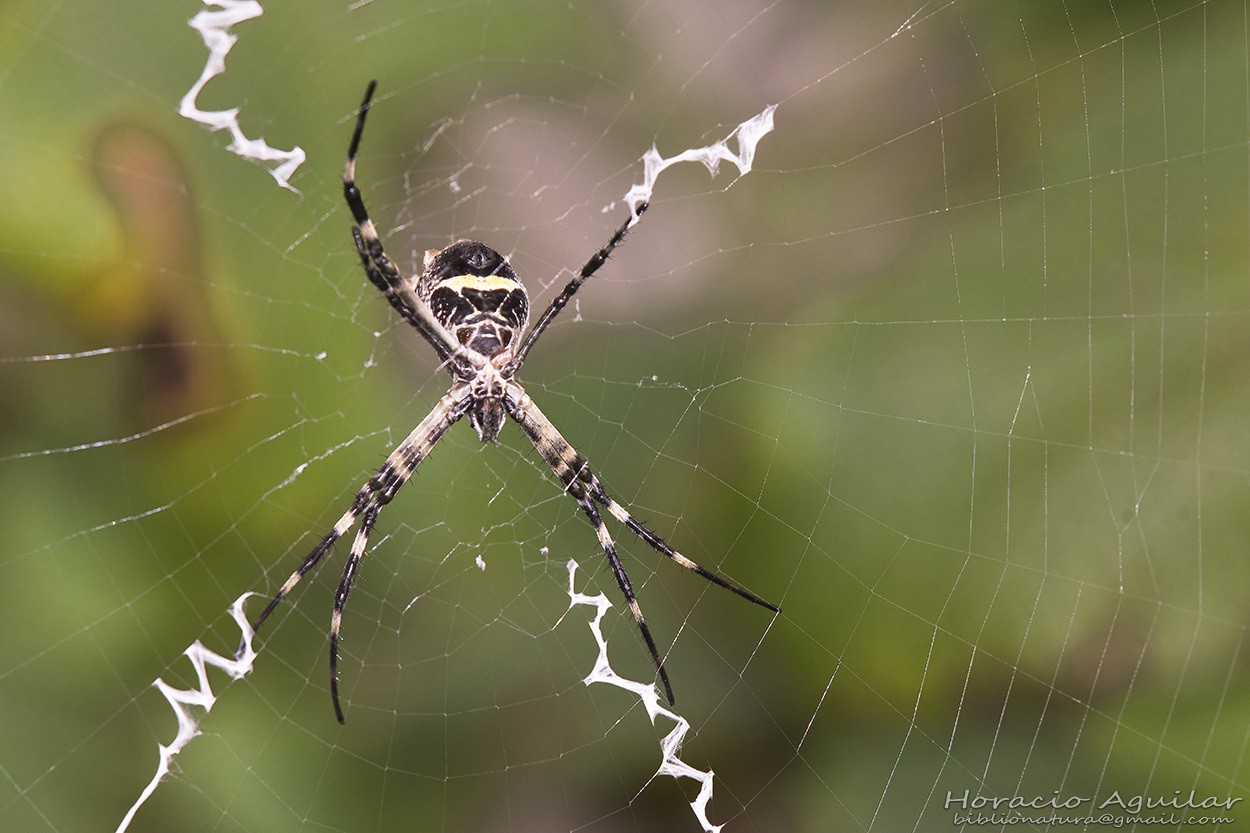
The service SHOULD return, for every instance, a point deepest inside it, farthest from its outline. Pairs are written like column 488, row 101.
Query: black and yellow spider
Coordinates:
column 471, row 307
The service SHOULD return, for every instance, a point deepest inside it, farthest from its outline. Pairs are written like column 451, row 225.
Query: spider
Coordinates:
column 472, row 308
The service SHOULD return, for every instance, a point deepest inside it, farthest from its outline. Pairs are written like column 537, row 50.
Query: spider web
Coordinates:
column 956, row 374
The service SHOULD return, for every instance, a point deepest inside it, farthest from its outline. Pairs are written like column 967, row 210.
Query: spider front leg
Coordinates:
column 622, row 581
column 375, row 494
column 340, row 598
column 574, row 474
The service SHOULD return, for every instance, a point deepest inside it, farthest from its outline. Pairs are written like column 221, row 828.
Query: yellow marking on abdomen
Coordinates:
column 482, row 282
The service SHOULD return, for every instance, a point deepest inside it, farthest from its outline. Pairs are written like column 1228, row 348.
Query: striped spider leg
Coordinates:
column 471, row 307
column 580, row 483
column 376, row 493
column 382, row 272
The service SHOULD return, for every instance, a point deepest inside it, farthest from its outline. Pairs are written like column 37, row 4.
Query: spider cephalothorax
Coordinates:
column 470, row 306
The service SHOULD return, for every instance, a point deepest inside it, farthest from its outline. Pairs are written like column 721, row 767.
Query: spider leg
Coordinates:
column 323, row 546
column 661, row 546
column 622, row 580
column 574, row 474
column 378, row 266
column 375, row 494
column 558, row 303
column 569, row 466
column 340, row 598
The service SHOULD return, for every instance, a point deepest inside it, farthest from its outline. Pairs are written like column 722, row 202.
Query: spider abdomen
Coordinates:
column 476, row 295
column 481, row 313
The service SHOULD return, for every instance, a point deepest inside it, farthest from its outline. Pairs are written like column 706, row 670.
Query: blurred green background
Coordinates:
column 957, row 375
